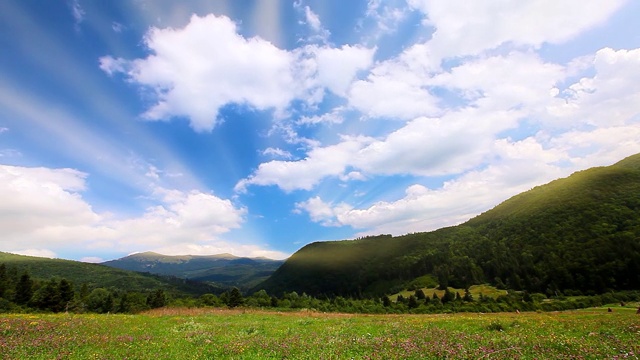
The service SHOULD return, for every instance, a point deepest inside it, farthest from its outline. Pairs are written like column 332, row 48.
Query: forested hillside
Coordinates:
column 579, row 234
column 95, row 275
column 224, row 270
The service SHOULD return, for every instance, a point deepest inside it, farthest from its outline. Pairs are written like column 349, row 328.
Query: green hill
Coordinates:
column 100, row 276
column 224, row 270
column 579, row 234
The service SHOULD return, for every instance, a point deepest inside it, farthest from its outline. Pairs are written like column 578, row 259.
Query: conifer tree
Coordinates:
column 65, row 288
column 24, row 289
column 467, row 295
column 235, row 298
column 4, row 280
column 412, row 302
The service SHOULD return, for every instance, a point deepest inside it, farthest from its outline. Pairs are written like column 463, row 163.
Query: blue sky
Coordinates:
column 256, row 127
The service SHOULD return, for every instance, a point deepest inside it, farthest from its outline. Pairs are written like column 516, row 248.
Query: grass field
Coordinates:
column 475, row 290
column 252, row 334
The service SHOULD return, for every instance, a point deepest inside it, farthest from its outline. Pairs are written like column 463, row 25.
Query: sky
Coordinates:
column 257, row 127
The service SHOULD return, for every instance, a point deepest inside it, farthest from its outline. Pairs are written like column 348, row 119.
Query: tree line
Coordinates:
column 19, row 292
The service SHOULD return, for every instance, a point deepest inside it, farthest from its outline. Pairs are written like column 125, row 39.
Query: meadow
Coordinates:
column 209, row 333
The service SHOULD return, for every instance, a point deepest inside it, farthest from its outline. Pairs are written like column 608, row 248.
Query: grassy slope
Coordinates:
column 95, row 275
column 579, row 232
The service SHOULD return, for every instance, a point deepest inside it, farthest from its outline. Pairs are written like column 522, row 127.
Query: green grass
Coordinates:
column 238, row 334
column 476, row 290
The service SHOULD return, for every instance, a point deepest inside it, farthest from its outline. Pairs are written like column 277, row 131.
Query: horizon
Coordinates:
column 255, row 128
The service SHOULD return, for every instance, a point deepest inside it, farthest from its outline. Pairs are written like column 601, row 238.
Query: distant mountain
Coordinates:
column 580, row 234
column 95, row 275
column 223, row 269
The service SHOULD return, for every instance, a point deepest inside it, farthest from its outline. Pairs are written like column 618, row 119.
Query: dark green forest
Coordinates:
column 577, row 235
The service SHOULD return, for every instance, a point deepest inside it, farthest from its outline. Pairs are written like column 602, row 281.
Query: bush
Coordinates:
column 496, row 326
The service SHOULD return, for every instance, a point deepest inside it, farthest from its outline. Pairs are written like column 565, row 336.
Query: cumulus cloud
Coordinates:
column 44, row 212
column 337, row 67
column 463, row 28
column 424, row 147
column 396, row 88
column 522, row 165
column 515, row 80
column 610, row 97
column 196, row 70
column 304, row 174
column 516, row 167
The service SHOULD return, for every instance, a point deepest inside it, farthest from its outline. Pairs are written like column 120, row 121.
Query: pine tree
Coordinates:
column 467, row 295
column 65, row 288
column 24, row 289
column 156, row 299
column 235, row 298
column 447, row 297
column 419, row 294
column 4, row 280
column 412, row 302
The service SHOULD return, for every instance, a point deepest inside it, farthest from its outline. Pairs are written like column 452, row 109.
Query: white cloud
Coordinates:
column 337, row 67
column 117, row 27
column 425, row 146
column 600, row 146
column 468, row 28
column 8, row 153
column 196, row 70
column 610, row 97
column 521, row 166
column 221, row 248
column 516, row 166
column 304, row 174
column 77, row 12
column 92, row 259
column 496, row 94
column 43, row 211
column 318, row 210
column 515, row 80
column 38, row 200
column 396, row 88
column 37, row 253
column 333, row 117
column 318, row 32
column 312, row 19
column 387, row 15
column 277, row 152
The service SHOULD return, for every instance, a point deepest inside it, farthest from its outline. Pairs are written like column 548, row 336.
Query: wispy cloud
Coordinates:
column 77, row 12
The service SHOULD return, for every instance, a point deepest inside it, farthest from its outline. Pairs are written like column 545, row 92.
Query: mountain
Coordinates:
column 95, row 276
column 579, row 234
column 223, row 269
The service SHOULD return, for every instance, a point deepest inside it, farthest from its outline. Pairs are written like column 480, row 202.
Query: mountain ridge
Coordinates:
column 225, row 270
